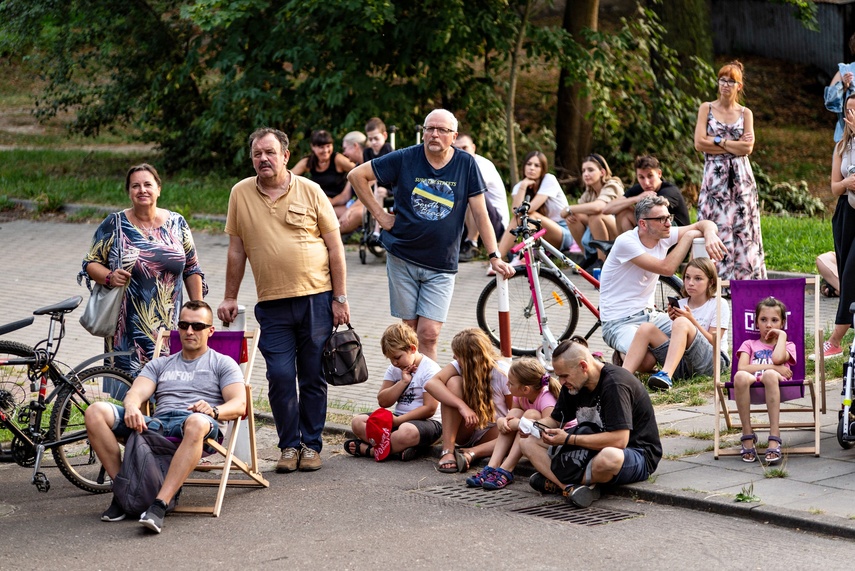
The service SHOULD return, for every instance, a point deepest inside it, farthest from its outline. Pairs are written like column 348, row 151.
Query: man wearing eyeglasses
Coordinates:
column 194, row 390
column 632, row 269
column 433, row 185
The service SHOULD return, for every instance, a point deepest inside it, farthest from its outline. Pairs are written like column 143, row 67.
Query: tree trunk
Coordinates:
column 512, row 91
column 572, row 129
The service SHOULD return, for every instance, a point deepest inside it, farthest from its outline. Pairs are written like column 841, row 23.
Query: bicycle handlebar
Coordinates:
column 525, row 221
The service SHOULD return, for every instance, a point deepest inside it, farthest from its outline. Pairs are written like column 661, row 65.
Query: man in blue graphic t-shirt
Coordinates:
column 433, row 184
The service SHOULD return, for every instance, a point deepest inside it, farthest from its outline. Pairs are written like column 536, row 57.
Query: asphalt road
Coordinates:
column 356, row 514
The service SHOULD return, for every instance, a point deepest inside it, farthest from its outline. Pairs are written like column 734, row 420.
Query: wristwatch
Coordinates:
column 493, row 255
column 215, row 412
column 340, row 298
column 717, row 140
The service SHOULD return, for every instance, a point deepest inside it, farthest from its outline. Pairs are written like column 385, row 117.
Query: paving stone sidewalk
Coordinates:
column 40, row 261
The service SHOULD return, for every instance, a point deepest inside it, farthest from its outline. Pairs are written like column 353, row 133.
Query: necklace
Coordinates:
column 148, row 231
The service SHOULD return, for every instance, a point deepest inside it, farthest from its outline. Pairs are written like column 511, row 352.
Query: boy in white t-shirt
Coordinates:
column 416, row 421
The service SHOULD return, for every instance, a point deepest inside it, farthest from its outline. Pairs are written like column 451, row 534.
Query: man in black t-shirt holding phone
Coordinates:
column 622, row 444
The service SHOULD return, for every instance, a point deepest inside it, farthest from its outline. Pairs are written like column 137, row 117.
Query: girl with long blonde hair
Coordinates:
column 473, row 391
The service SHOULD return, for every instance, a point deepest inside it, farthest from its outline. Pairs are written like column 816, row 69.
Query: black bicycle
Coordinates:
column 40, row 420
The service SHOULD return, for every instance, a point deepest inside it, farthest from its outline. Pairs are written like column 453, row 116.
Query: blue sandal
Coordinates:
column 749, row 454
column 497, row 479
column 477, row 481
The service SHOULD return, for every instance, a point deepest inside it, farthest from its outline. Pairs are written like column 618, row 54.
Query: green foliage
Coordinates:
column 6, row 203
column 785, row 197
column 47, row 202
column 747, row 494
column 792, row 243
column 634, row 110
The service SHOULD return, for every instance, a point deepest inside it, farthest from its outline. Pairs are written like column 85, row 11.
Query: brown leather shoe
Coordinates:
column 288, row 461
column 310, row 460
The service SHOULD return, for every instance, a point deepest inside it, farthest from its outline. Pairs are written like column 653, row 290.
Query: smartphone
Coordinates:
column 674, row 302
column 540, row 427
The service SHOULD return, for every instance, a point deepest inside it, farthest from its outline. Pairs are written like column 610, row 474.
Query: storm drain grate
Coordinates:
column 477, row 497
column 580, row 516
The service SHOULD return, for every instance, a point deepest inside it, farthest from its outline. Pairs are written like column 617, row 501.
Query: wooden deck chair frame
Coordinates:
column 254, row 478
column 815, row 385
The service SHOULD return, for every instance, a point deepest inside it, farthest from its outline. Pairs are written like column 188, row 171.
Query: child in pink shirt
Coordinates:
column 534, row 395
column 768, row 360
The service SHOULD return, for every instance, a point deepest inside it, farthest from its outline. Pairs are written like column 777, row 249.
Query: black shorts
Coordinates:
column 429, row 430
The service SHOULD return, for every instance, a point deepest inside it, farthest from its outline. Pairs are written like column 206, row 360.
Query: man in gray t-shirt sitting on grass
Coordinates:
column 193, row 389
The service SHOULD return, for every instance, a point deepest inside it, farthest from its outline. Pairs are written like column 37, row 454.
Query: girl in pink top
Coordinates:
column 768, row 360
column 534, row 395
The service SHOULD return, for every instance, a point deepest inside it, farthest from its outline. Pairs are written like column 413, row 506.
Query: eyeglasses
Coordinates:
column 727, row 82
column 662, row 219
column 196, row 325
column 438, row 130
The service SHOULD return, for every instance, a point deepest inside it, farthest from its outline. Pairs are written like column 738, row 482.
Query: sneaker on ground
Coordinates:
column 543, row 484
column 468, row 251
column 114, row 512
column 660, row 380
column 288, row 461
column 582, row 496
column 829, row 351
column 408, row 454
column 310, row 460
column 152, row 518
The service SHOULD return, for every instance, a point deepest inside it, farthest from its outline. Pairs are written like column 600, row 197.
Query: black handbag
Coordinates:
column 344, row 363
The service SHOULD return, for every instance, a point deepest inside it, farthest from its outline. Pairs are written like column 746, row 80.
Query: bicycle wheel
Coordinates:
column 76, row 460
column 665, row 287
column 14, row 398
column 559, row 305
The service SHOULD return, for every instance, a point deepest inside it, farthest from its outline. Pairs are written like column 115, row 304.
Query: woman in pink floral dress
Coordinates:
column 725, row 134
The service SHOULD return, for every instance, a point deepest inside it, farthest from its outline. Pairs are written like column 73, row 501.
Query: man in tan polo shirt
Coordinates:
column 287, row 229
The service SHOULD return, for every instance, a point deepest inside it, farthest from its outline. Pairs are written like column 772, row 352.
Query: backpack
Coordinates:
column 147, row 458
column 572, row 461
column 343, row 361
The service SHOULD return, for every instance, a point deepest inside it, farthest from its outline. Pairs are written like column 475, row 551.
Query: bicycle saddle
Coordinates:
column 603, row 245
column 69, row 304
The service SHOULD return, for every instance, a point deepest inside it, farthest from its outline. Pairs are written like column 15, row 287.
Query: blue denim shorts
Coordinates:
column 618, row 333
column 169, row 423
column 418, row 292
column 634, row 468
column 567, row 239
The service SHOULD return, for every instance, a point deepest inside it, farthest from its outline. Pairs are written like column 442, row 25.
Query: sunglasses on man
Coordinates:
column 196, row 325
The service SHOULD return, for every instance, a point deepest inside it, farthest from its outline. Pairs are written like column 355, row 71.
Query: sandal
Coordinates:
column 497, row 479
column 773, row 455
column 354, row 448
column 826, row 290
column 749, row 454
column 462, row 460
column 450, row 466
column 477, row 481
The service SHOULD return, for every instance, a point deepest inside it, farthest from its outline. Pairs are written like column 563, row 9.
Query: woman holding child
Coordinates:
column 328, row 169
column 725, row 134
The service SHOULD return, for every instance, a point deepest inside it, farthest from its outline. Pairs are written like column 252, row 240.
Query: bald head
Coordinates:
column 445, row 115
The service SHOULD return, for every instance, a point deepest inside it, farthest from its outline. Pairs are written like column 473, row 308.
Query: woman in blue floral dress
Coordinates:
column 150, row 250
column 725, row 134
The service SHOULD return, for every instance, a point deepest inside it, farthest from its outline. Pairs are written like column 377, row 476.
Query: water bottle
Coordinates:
column 699, row 248
column 596, row 273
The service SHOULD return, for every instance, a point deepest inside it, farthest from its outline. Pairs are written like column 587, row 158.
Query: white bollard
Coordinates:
column 504, row 315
